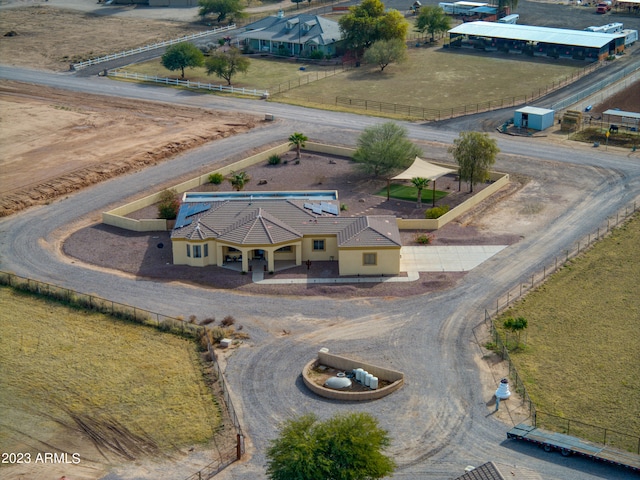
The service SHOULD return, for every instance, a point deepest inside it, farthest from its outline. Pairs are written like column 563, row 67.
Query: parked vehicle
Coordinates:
column 630, row 37
column 603, row 7
column 568, row 445
column 511, row 19
column 609, row 28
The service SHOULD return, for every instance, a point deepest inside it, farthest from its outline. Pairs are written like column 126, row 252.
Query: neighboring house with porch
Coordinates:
column 274, row 230
column 298, row 35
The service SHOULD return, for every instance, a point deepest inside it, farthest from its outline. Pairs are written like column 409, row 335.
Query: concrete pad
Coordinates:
column 457, row 258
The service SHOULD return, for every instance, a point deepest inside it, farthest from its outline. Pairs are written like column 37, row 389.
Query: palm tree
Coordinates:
column 420, row 183
column 297, row 140
column 239, row 180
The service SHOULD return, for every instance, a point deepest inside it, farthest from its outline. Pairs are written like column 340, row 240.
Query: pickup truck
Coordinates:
column 603, row 7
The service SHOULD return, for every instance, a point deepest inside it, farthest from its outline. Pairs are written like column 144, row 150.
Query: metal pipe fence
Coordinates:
column 125, row 312
column 146, row 48
column 632, row 72
column 609, row 437
column 576, row 428
column 431, row 114
column 188, row 83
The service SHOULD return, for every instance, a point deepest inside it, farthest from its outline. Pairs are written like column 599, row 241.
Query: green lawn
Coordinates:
column 582, row 355
column 58, row 361
column 410, row 193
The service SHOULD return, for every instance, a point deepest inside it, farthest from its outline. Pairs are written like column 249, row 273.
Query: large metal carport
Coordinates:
column 536, row 41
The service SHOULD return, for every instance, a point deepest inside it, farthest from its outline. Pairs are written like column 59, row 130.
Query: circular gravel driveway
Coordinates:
column 439, row 420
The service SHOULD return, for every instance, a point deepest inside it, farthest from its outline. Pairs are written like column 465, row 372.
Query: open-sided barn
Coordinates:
column 536, row 41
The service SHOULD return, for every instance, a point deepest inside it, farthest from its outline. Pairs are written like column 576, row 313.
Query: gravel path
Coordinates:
column 439, row 420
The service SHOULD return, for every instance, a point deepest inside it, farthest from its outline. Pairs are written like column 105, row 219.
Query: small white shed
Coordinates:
column 533, row 117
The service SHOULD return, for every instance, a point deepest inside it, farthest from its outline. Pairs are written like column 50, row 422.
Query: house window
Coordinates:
column 197, row 251
column 369, row 258
column 318, row 245
column 188, row 250
column 206, row 249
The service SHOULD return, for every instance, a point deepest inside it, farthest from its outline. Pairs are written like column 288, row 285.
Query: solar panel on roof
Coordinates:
column 189, row 209
column 317, row 209
column 330, row 208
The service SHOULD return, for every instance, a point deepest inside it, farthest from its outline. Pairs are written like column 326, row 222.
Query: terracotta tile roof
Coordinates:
column 370, row 231
column 275, row 221
column 259, row 227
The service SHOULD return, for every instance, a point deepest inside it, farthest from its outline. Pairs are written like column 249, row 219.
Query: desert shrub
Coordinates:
column 423, row 239
column 216, row 178
column 316, row 55
column 274, row 159
column 218, row 333
column 208, row 321
column 168, row 205
column 227, row 321
column 436, row 212
column 193, row 319
column 343, row 207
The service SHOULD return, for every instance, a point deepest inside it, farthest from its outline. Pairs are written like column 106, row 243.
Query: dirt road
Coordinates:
column 439, row 420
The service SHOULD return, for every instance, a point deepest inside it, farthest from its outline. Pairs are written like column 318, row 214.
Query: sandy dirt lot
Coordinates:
column 54, row 142
column 49, row 38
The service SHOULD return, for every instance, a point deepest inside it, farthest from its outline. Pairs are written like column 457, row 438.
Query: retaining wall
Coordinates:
column 343, row 363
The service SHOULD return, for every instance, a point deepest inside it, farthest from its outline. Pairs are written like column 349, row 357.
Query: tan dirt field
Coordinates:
column 54, row 142
column 49, row 38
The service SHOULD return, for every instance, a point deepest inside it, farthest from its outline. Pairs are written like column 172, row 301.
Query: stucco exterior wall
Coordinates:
column 499, row 181
column 352, row 261
column 330, row 248
column 116, row 217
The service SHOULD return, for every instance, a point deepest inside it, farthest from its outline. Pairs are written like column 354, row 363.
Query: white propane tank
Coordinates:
column 374, row 383
column 359, row 374
column 367, row 380
column 363, row 376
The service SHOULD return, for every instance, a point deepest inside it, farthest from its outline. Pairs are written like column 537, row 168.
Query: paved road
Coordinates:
column 439, row 420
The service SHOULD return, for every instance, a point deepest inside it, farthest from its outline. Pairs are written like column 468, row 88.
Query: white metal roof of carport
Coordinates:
column 529, row 33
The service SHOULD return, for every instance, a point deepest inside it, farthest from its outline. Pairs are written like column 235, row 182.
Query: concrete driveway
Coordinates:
column 447, row 258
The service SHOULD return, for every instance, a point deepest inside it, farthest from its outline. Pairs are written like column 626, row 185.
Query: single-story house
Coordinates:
column 297, row 35
column 271, row 230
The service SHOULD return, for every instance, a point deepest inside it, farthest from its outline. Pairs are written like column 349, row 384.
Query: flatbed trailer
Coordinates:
column 568, row 445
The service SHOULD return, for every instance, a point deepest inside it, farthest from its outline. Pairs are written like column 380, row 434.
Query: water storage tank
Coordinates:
column 367, row 380
column 373, row 383
column 339, row 382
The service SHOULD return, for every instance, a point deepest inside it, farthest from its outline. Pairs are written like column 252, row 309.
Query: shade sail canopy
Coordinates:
column 422, row 168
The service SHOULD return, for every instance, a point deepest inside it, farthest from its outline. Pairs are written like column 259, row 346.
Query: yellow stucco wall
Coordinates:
column 351, row 261
column 330, row 248
column 499, row 181
column 179, row 249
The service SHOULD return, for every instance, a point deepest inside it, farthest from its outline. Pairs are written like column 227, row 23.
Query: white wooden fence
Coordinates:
column 106, row 58
column 188, row 83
